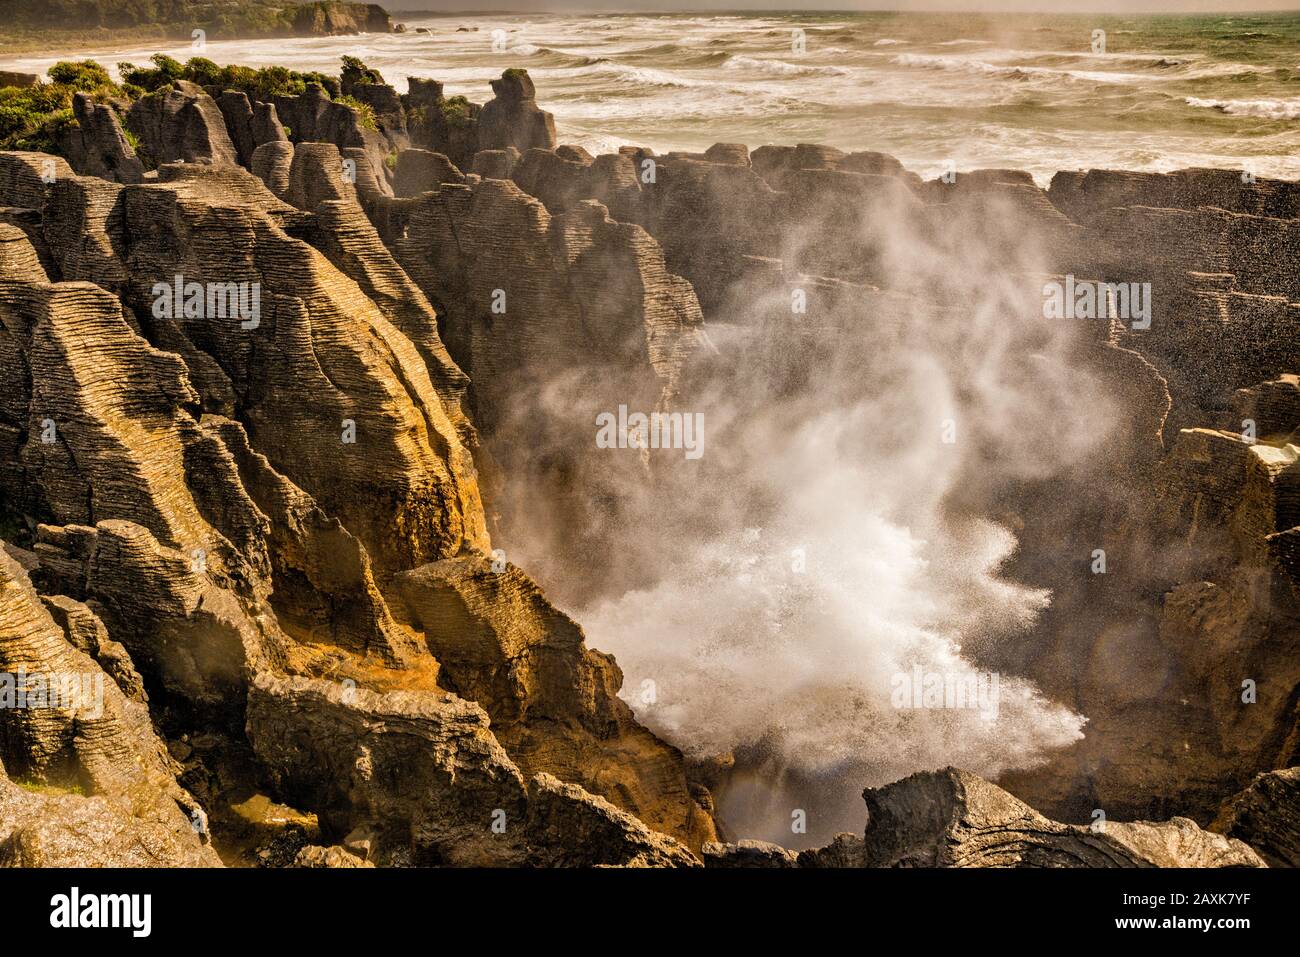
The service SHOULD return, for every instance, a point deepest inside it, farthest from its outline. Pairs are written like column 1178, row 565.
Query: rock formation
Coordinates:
column 270, row 397
column 174, row 534
column 952, row 818
column 513, row 118
column 1266, row 816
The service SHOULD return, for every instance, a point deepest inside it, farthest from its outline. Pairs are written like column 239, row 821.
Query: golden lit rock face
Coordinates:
column 553, row 702
column 288, row 489
column 325, row 378
column 95, row 784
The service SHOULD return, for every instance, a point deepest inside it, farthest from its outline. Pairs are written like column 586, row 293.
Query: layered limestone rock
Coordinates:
column 1085, row 195
column 954, row 819
column 424, row 771
column 1266, row 816
column 196, row 543
column 527, row 292
column 221, row 499
column 182, row 123
column 250, row 125
column 438, row 124
column 96, row 146
column 748, row 854
column 340, row 18
column 95, row 785
column 419, row 171
column 315, row 118
column 553, row 702
column 513, row 118
column 354, row 246
column 384, row 456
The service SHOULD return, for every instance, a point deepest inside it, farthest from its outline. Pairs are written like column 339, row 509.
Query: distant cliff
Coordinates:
column 225, row 20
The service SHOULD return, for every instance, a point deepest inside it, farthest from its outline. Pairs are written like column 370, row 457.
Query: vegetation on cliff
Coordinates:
column 31, row 118
column 92, row 21
column 262, row 84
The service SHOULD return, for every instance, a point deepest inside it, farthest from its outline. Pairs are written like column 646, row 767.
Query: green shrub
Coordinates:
column 35, row 117
column 85, row 75
column 354, row 71
column 202, row 71
column 456, row 112
column 365, row 113
column 165, row 71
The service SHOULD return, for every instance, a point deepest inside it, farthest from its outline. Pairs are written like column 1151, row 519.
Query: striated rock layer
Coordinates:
column 236, row 488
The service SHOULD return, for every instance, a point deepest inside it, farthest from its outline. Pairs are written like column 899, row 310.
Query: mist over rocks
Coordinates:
column 356, row 540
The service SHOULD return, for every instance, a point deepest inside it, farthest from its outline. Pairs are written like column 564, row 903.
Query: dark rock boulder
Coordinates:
column 513, row 118
column 730, row 154
column 952, row 818
column 419, row 171
column 96, row 146
column 182, row 124
column 495, row 164
column 1266, row 816
column 748, row 853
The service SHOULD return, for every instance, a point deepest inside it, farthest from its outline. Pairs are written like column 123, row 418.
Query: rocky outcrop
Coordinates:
column 513, row 118
column 96, row 145
column 272, row 163
column 263, row 518
column 21, row 80
column 1266, row 815
column 96, row 787
column 544, row 279
column 419, row 171
column 423, row 769
column 183, row 548
column 314, row 118
column 953, row 819
column 249, row 125
column 337, row 17
column 749, row 854
column 334, row 856
column 553, row 702
column 184, row 124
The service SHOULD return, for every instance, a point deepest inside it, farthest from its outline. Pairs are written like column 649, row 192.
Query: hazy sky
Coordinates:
column 1054, row 6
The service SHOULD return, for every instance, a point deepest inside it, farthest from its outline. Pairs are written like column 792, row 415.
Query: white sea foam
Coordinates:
column 1265, row 109
column 781, row 68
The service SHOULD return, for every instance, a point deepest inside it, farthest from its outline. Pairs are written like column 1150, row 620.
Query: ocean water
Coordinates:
column 1032, row 92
